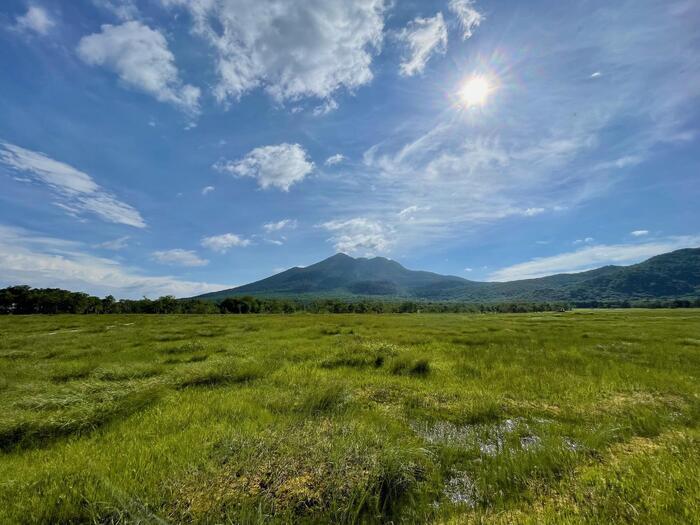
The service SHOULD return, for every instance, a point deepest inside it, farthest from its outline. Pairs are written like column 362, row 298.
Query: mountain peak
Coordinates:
column 675, row 274
column 339, row 256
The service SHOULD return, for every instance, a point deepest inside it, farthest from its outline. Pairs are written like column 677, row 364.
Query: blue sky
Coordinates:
column 173, row 146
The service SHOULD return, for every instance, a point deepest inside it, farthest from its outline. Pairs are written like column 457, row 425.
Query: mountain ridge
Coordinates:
column 666, row 276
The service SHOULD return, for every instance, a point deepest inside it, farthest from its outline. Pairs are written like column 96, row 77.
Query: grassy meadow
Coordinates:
column 576, row 417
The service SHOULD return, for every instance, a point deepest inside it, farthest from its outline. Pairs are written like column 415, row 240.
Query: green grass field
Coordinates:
column 578, row 417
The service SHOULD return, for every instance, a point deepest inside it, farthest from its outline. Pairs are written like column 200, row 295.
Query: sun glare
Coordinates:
column 475, row 91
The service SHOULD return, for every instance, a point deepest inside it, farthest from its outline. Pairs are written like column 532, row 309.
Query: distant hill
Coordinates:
column 668, row 276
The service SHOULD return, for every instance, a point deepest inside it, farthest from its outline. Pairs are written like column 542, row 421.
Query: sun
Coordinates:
column 475, row 91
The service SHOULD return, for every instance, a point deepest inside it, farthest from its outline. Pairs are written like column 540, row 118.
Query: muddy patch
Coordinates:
column 487, row 439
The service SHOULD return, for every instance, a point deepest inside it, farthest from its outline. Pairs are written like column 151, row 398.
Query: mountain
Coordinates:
column 667, row 276
column 342, row 275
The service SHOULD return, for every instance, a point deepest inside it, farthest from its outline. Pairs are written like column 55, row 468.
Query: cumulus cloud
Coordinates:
column 277, row 166
column 639, row 233
column 279, row 225
column 36, row 19
column 179, row 257
column 28, row 257
column 423, row 37
column 335, row 159
column 140, row 57
column 292, row 49
column 77, row 190
column 592, row 257
column 222, row 243
column 360, row 234
column 469, row 17
column 207, row 189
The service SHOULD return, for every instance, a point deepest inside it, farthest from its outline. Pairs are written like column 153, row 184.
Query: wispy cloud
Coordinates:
column 122, row 9
column 179, row 257
column 278, row 166
column 78, row 192
column 423, row 38
column 410, row 212
column 329, row 105
column 592, row 257
column 531, row 212
column 207, row 189
column 36, row 20
column 335, row 159
column 116, row 244
column 222, row 243
column 280, row 225
column 27, row 257
column 639, row 233
column 469, row 18
column 141, row 58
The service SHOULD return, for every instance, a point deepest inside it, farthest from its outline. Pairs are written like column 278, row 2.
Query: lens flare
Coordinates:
column 475, row 91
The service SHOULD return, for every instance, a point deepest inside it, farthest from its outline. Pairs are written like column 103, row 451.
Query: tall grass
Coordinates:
column 538, row 418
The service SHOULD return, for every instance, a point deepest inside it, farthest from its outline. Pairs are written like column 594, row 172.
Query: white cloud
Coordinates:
column 596, row 74
column 326, row 107
column 36, row 19
column 179, row 257
column 586, row 240
column 117, row 244
column 292, row 49
column 622, row 162
column 335, row 159
column 141, row 58
column 592, row 257
column 280, row 225
column 78, row 191
column 27, row 257
column 360, row 234
column 222, row 243
column 277, row 166
column 207, row 189
column 410, row 211
column 639, row 233
column 469, row 17
column 423, row 37
column 531, row 212
column 468, row 269
column 122, row 9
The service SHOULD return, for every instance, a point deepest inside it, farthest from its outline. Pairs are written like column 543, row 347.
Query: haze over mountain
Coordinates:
column 671, row 275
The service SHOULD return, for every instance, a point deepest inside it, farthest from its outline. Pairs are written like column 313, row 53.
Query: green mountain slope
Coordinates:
column 671, row 275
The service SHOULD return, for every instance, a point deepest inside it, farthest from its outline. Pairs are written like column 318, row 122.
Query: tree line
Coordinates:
column 27, row 300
